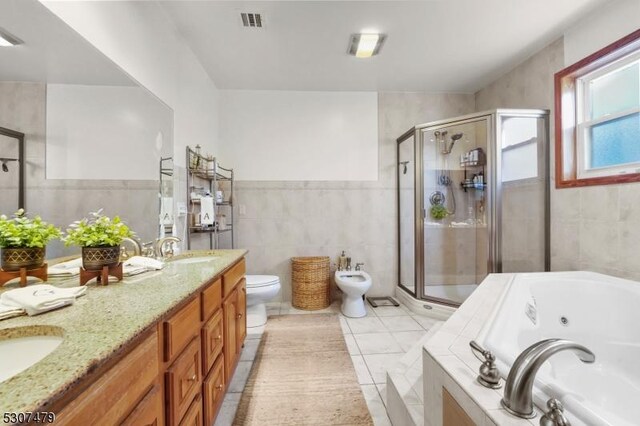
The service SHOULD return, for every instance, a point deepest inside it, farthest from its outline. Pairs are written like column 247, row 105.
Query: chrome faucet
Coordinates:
column 518, row 390
column 137, row 247
column 359, row 266
column 161, row 251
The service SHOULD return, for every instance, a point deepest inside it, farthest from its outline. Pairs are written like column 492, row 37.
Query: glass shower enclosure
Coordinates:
column 473, row 199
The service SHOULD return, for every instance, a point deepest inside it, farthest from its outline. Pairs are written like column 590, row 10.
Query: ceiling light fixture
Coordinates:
column 366, row 45
column 6, row 39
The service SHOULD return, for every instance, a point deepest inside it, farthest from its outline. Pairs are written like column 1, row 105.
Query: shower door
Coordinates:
column 456, row 160
column 406, row 212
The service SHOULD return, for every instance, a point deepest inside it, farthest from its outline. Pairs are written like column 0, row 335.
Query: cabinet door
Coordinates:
column 230, row 347
column 241, row 321
column 212, row 334
column 452, row 413
column 213, row 391
column 149, row 411
column 194, row 415
column 183, row 381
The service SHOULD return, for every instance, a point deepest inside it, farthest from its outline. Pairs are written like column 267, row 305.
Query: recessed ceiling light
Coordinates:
column 366, row 45
column 6, row 39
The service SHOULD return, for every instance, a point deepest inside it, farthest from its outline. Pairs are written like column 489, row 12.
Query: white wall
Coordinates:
column 117, row 132
column 609, row 23
column 142, row 40
column 304, row 136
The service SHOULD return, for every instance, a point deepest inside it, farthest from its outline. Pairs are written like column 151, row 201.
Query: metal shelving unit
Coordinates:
column 209, row 174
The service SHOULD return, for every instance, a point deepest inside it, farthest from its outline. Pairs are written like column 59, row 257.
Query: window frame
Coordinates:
column 569, row 117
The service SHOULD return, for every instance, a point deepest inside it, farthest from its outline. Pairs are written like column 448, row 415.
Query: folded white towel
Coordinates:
column 7, row 311
column 40, row 298
column 65, row 269
column 144, row 262
column 207, row 214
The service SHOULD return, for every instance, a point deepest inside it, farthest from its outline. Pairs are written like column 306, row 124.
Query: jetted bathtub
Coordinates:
column 595, row 310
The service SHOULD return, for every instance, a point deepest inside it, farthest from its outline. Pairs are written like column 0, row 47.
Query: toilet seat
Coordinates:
column 256, row 281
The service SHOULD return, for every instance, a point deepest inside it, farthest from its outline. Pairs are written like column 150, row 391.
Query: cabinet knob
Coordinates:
column 192, row 378
column 219, row 387
column 239, row 316
column 218, row 337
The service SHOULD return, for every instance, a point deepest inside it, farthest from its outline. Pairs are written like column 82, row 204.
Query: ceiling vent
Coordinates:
column 251, row 20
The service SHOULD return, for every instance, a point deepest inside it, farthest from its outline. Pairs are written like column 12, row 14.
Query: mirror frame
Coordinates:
column 20, row 137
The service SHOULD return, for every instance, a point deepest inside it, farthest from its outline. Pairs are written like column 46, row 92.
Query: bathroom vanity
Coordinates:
column 154, row 349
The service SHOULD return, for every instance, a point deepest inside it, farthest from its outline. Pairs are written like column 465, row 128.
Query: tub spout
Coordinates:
column 518, row 390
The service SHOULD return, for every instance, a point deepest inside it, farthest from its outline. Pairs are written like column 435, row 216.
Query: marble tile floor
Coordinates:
column 375, row 343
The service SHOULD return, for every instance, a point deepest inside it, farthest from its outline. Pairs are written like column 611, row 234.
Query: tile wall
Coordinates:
column 304, row 218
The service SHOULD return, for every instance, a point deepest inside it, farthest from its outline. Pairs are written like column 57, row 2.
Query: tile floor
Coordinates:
column 375, row 342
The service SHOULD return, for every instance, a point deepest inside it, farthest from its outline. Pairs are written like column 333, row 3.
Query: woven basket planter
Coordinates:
column 311, row 281
column 29, row 257
column 94, row 258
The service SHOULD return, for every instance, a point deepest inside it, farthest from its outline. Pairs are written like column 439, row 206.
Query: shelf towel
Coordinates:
column 207, row 215
column 166, row 211
column 40, row 298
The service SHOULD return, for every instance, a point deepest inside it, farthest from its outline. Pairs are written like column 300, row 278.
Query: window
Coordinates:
column 598, row 117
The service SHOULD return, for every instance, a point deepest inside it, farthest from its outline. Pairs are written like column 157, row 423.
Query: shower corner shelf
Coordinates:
column 208, row 172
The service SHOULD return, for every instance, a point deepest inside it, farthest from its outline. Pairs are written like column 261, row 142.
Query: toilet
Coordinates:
column 354, row 284
column 260, row 289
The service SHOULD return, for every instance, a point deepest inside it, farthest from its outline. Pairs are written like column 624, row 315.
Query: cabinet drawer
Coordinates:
column 194, row 415
column 212, row 333
column 149, row 411
column 211, row 299
column 183, row 381
column 181, row 328
column 116, row 392
column 213, row 391
column 232, row 276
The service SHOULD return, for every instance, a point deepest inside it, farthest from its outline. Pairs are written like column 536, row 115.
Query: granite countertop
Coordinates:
column 99, row 324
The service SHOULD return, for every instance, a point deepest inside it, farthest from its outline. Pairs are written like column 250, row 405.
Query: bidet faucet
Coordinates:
column 518, row 390
column 348, row 267
column 359, row 266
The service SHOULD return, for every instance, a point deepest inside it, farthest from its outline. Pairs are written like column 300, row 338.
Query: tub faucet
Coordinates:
column 518, row 390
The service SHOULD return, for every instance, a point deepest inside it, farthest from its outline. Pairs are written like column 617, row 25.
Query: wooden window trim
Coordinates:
column 565, row 114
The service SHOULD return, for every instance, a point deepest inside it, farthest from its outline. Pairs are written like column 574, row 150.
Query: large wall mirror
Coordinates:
column 93, row 137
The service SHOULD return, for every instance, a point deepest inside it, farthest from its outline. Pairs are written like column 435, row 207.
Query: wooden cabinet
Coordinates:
column 241, row 316
column 149, row 411
column 183, row 381
column 213, row 391
column 115, row 394
column 177, row 374
column 194, row 414
column 452, row 412
column 230, row 313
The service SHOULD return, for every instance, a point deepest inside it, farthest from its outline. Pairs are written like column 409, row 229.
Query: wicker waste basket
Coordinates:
column 311, row 283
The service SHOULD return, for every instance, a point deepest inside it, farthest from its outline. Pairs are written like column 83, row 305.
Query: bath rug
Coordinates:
column 303, row 375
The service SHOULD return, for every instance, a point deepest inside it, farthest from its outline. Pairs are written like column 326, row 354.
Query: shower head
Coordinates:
column 454, row 138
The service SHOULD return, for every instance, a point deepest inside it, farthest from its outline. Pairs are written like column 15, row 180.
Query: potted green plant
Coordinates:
column 100, row 238
column 438, row 211
column 23, row 241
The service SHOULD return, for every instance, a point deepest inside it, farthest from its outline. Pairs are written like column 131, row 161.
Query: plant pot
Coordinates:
column 95, row 258
column 27, row 257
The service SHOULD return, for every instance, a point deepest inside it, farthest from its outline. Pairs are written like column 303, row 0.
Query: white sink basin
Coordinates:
column 19, row 353
column 188, row 260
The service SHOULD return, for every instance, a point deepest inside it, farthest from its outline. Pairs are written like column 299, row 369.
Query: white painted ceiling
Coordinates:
column 52, row 52
column 432, row 45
